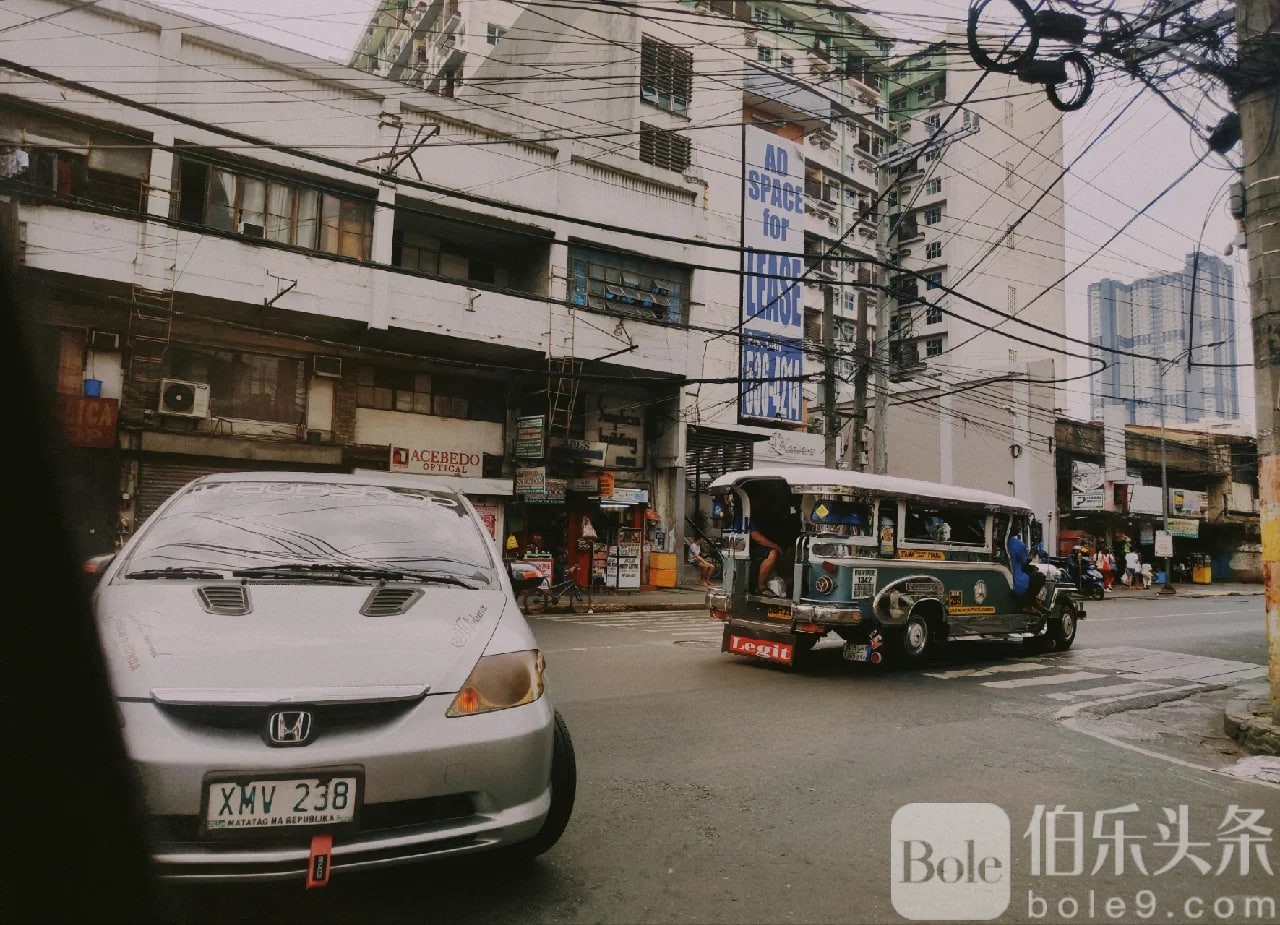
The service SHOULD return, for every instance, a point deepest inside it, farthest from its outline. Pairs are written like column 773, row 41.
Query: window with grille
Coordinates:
column 933, row 122
column 933, row 216
column 933, row 187
column 933, row 347
column 933, row 315
column 760, row 15
column 666, row 75
column 933, row 250
column 787, row 25
column 764, row 54
column 618, row 282
column 665, row 149
column 933, row 280
column 788, row 64
column 494, row 34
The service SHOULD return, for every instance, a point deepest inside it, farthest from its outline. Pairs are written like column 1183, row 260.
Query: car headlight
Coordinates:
column 500, row 681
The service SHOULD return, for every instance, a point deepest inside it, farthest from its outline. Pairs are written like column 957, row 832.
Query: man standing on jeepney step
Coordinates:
column 1027, row 579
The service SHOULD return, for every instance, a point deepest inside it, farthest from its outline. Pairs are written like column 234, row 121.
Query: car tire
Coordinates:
column 535, row 601
column 915, row 641
column 1062, row 627
column 564, row 789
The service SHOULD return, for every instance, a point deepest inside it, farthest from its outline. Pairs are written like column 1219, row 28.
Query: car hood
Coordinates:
column 297, row 642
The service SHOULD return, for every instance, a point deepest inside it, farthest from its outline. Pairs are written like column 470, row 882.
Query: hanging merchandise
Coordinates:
column 588, row 530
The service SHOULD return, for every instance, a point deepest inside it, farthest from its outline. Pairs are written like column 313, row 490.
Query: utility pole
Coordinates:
column 1258, row 39
column 831, row 426
column 863, row 356
column 887, row 301
column 886, row 305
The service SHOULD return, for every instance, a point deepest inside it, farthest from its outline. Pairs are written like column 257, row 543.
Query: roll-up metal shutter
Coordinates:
column 156, row 482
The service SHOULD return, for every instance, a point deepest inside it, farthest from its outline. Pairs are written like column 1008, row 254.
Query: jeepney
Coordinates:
column 893, row 567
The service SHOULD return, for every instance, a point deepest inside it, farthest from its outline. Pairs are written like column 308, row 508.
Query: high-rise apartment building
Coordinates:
column 1175, row 319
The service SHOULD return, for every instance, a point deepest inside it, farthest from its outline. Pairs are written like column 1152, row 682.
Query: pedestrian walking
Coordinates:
column 1132, row 568
column 1146, row 575
column 1111, row 569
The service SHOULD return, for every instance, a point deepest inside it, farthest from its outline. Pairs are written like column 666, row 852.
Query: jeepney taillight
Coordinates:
column 720, row 615
column 808, row 628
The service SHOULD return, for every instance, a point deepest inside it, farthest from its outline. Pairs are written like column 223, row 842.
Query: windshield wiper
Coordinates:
column 351, row 572
column 301, row 571
column 176, row 571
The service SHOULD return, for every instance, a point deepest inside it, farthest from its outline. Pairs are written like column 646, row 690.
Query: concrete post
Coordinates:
column 1258, row 38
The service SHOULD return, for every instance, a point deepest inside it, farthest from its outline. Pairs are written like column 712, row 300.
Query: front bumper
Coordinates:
column 433, row 786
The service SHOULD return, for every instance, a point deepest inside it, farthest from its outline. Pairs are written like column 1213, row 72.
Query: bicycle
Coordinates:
column 539, row 599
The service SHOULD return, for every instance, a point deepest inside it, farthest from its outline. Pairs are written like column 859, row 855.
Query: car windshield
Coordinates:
column 231, row 527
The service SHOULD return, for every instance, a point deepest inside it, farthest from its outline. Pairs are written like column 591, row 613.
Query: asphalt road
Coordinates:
column 713, row 789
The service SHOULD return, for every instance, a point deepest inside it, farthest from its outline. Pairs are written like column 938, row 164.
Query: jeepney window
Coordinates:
column 950, row 526
column 1000, row 537
column 842, row 517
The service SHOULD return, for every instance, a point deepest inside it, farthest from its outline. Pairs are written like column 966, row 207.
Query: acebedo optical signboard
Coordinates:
column 772, row 361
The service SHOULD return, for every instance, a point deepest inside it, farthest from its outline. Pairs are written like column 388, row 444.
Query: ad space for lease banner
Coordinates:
column 773, row 264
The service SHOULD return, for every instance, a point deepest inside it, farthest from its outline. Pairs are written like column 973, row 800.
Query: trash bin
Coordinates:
column 1201, row 570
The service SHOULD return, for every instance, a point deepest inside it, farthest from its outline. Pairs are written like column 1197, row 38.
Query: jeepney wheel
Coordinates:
column 916, row 638
column 1062, row 627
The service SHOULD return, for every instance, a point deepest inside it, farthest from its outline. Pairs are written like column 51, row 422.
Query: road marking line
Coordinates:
column 1042, row 680
column 1012, row 668
column 1109, row 690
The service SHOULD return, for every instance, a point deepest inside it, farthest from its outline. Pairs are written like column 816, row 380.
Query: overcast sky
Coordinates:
column 1146, row 150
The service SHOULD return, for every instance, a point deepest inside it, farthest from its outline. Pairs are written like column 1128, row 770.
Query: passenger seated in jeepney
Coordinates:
column 1027, row 579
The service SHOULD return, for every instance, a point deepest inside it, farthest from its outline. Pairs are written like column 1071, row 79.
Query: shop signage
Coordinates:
column 606, row 485
column 88, row 421
column 590, row 484
column 784, row 448
column 1184, row 526
column 531, row 480
column 531, row 435
column 1164, row 544
column 1146, row 534
column 586, row 451
column 1085, row 477
column 1146, row 499
column 1184, row 501
column 772, row 318
column 490, row 514
column 553, row 493
column 630, row 496
column 618, row 423
column 438, row 461
column 1090, row 500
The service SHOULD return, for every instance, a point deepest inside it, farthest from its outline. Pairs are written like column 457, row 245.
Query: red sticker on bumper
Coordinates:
column 318, row 864
column 780, row 652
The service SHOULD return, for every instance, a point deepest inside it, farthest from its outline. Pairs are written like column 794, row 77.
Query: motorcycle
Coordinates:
column 1089, row 584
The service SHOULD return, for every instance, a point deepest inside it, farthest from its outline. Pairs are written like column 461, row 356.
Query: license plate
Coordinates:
column 857, row 653
column 270, row 803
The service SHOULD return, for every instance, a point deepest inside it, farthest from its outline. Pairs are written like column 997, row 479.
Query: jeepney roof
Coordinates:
column 816, row 480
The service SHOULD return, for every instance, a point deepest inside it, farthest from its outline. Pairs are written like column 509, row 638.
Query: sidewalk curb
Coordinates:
column 1156, row 595
column 1247, row 719
column 633, row 607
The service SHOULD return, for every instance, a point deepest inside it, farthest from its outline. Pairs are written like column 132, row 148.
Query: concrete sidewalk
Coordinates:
column 1218, row 589
column 1247, row 719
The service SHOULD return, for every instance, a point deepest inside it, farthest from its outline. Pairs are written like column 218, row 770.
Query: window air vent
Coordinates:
column 228, row 600
column 388, row 602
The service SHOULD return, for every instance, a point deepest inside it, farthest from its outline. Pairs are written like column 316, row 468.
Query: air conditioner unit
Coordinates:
column 327, row 367
column 104, row 341
column 183, row 399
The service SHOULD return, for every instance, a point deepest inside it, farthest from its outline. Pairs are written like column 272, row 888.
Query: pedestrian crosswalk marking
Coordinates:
column 1110, row 690
column 1044, row 680
column 1010, row 668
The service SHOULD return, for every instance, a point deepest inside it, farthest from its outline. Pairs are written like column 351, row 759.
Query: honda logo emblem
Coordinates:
column 292, row 727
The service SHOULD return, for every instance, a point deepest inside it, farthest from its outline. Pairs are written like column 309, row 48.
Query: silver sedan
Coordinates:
column 318, row 672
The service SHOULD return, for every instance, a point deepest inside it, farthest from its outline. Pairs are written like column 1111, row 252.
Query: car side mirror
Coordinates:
column 94, row 566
